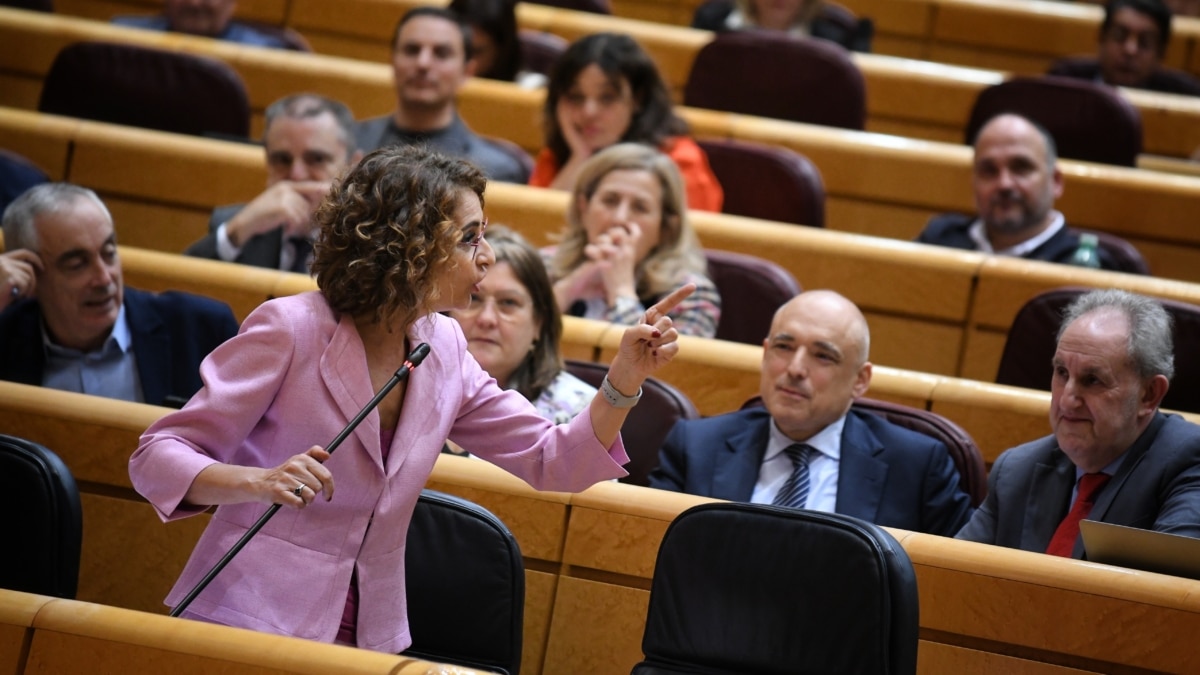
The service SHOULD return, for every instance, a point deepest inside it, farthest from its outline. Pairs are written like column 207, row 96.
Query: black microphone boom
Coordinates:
column 414, row 359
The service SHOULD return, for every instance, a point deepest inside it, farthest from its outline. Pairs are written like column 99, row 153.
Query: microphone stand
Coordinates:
column 413, row 360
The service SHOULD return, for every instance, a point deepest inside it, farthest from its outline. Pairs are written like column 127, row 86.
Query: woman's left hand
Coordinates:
column 649, row 345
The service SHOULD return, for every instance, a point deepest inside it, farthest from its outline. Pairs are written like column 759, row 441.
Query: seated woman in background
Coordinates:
column 800, row 18
column 495, row 41
column 513, row 328
column 628, row 243
column 604, row 90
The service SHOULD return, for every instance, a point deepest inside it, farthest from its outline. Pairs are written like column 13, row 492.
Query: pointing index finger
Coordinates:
column 664, row 306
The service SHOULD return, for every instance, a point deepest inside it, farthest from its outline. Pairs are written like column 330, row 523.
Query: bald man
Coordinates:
column 805, row 447
column 1016, row 180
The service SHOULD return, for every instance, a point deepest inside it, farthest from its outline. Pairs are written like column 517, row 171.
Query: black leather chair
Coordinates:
column 42, row 529
column 772, row 74
column 648, row 422
column 540, row 50
column 966, row 455
column 1030, row 346
column 1088, row 121
column 768, row 182
column 465, row 580
column 764, row 590
column 751, row 290
column 150, row 88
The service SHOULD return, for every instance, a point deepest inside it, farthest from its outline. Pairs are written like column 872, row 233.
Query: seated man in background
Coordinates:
column 71, row 324
column 1113, row 456
column 309, row 142
column 805, row 447
column 1133, row 39
column 1016, row 181
column 206, row 18
column 431, row 60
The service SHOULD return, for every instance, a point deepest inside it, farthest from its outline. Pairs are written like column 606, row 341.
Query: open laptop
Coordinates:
column 1141, row 549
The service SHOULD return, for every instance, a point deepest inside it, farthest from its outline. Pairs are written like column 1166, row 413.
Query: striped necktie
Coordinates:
column 794, row 492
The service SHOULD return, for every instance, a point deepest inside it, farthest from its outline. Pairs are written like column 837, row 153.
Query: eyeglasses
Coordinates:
column 472, row 238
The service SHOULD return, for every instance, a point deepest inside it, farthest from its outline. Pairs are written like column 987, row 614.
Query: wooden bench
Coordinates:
column 591, row 557
column 39, row 634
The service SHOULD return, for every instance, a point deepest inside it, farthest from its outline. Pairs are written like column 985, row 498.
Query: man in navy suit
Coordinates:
column 68, row 322
column 814, row 366
column 309, row 143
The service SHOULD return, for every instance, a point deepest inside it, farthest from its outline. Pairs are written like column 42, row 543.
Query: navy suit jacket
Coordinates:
column 951, row 229
column 1157, row 487
column 172, row 333
column 261, row 250
column 887, row 475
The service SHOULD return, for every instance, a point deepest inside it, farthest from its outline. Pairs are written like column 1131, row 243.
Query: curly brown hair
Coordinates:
column 388, row 230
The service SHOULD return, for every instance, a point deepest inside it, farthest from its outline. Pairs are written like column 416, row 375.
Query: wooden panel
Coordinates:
column 943, row 659
column 242, row 287
column 43, row 139
column 160, row 227
column 17, row 611
column 597, row 628
column 997, row 417
column 540, row 588
column 130, row 558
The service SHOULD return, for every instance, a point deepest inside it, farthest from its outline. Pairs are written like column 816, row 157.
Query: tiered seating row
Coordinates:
column 918, row 99
column 590, row 558
column 879, row 185
column 39, row 634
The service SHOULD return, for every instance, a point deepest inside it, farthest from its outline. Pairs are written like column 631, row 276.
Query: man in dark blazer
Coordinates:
column 1132, row 42
column 814, row 366
column 1016, row 180
column 309, row 142
column 1112, row 368
column 70, row 323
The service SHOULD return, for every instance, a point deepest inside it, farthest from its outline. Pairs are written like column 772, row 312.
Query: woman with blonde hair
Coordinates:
column 628, row 242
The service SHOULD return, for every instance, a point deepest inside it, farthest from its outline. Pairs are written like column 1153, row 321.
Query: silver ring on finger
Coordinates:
column 299, row 489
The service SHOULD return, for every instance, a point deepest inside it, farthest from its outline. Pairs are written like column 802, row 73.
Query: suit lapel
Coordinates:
column 861, row 474
column 151, row 346
column 422, row 400
column 1134, row 457
column 343, row 369
column 1047, row 501
column 736, row 469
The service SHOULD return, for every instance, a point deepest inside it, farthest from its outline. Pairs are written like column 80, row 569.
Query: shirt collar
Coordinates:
column 978, row 234
column 827, row 441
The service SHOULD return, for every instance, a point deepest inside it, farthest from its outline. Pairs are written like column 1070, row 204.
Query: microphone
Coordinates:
column 413, row 360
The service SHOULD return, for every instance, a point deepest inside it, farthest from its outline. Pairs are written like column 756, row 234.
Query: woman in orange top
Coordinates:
column 604, row 90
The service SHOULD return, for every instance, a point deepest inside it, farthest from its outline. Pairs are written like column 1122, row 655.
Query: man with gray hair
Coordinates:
column 309, row 143
column 1113, row 456
column 68, row 321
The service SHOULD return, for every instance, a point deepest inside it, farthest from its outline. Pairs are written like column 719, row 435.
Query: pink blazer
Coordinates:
column 293, row 377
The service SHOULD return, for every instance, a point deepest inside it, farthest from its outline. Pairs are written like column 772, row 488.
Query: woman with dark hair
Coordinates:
column 604, row 90
column 628, row 242
column 798, row 18
column 513, row 328
column 495, row 41
column 401, row 240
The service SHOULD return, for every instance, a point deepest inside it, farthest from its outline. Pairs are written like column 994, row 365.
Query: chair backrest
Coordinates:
column 968, row 459
column 34, row 5
column 1030, row 346
column 143, row 87
column 648, row 422
column 772, row 74
column 966, row 455
column 764, row 590
column 1088, row 121
column 1124, row 254
column 42, row 530
column 465, row 581
column 751, row 290
column 539, row 50
column 768, row 182
column 514, row 151
column 17, row 174
column 593, row 6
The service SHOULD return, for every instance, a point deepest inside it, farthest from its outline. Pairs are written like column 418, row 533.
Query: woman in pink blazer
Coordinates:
column 402, row 238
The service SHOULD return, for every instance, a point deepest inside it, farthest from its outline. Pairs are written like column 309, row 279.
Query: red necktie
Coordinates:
column 1063, row 541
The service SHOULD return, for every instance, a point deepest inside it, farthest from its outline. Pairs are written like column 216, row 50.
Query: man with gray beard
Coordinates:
column 1016, row 180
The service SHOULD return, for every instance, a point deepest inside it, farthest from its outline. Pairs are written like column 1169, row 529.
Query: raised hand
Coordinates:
column 18, row 275
column 649, row 345
column 286, row 204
